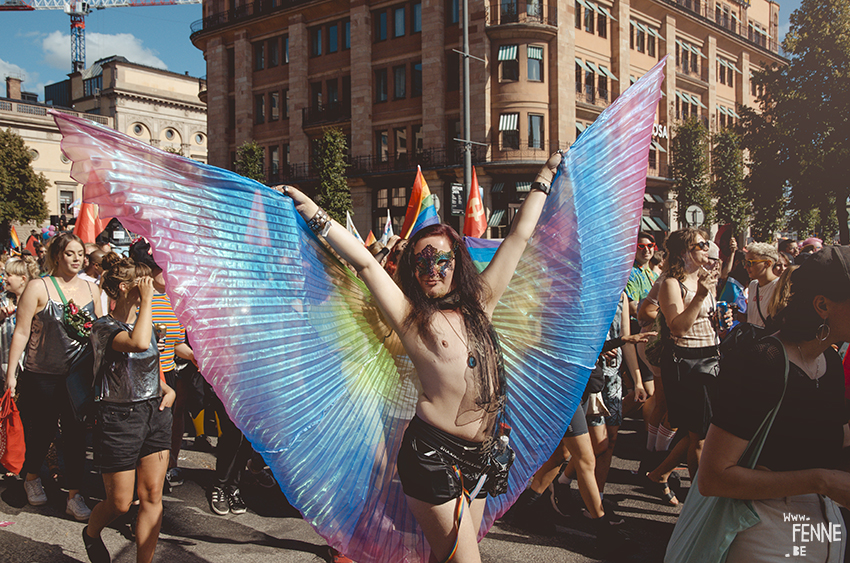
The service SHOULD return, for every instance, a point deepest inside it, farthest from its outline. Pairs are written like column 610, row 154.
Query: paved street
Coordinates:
column 273, row 531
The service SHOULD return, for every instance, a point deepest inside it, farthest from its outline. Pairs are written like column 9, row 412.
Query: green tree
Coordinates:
column 727, row 164
column 249, row 161
column 333, row 187
column 805, row 111
column 21, row 189
column 690, row 168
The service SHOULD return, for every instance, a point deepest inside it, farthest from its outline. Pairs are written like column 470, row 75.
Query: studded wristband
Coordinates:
column 541, row 187
column 320, row 223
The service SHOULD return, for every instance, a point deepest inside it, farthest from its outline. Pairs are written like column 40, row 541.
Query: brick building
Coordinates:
column 387, row 73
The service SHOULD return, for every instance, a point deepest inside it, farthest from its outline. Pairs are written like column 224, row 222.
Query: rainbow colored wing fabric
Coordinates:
column 295, row 347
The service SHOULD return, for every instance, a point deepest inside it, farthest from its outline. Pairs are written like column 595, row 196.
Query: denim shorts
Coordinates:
column 124, row 433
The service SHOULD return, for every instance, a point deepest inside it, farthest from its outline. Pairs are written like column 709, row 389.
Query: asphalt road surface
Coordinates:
column 272, row 531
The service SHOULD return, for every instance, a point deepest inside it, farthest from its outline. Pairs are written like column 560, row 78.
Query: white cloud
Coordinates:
column 11, row 69
column 57, row 49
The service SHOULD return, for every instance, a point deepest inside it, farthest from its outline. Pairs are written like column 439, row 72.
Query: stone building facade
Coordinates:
column 387, row 72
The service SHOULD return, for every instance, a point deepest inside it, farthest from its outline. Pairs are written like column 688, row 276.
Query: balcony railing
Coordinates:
column 708, row 11
column 521, row 11
column 331, row 113
column 244, row 12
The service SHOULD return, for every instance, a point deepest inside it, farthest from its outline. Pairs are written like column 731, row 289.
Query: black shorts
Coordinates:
column 578, row 425
column 127, row 432
column 690, row 391
column 426, row 462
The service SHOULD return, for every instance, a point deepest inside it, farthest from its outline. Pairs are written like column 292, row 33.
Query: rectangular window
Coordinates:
column 601, row 25
column 259, row 56
column 588, row 20
column 416, row 80
column 260, row 109
column 398, row 22
column 66, row 198
column 509, row 127
column 535, row 63
column 509, row 59
column 579, row 73
column 382, row 147
column 274, row 52
column 454, row 11
column 650, row 45
column 285, row 50
column 632, row 35
column 333, row 92
column 589, row 83
column 417, row 17
column 535, row 131
column 400, row 141
column 381, row 85
column 399, row 82
column 452, row 71
column 346, row 25
column 578, row 15
column 316, row 42
column 383, row 197
column 640, row 41
column 274, row 106
column 316, row 96
column 381, row 26
column 333, row 38
column 274, row 158
column 399, row 198
column 418, row 138
column 284, row 107
column 603, row 86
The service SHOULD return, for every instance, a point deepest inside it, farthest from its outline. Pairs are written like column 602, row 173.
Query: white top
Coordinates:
column 765, row 294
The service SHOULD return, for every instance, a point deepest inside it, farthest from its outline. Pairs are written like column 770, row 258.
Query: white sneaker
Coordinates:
column 77, row 508
column 35, row 492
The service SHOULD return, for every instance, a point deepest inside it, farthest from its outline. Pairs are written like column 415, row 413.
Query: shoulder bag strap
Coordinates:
column 61, row 295
column 758, row 307
column 750, row 456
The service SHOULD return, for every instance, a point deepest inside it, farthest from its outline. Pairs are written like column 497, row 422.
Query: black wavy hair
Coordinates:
column 469, row 293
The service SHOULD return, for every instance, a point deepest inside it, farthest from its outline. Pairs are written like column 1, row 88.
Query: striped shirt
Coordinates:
column 702, row 333
column 163, row 314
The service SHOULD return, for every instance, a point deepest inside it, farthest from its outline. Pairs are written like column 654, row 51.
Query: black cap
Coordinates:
column 140, row 252
column 826, row 272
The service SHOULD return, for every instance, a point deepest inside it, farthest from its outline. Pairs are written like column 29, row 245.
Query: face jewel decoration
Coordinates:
column 433, row 263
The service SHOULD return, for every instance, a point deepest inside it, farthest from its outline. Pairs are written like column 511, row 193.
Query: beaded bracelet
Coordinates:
column 320, row 223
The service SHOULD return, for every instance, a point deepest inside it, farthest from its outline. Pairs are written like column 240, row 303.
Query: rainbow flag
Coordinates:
column 16, row 242
column 482, row 250
column 420, row 211
column 370, row 238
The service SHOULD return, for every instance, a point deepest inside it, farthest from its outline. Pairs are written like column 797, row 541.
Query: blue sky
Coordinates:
column 36, row 46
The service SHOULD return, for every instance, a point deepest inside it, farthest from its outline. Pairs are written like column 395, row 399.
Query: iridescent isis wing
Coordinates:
column 553, row 318
column 294, row 345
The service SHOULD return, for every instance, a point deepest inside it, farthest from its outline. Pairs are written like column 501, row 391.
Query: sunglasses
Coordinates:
column 748, row 263
column 646, row 246
column 703, row 245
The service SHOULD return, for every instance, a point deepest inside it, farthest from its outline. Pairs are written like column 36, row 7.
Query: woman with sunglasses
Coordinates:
column 690, row 365
column 761, row 257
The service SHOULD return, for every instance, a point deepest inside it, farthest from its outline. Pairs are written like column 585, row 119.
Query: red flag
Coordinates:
column 475, row 223
column 370, row 239
column 88, row 224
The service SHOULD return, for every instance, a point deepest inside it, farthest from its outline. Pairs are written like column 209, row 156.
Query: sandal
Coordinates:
column 662, row 491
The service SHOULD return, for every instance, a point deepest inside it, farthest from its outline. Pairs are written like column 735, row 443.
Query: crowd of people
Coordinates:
column 661, row 362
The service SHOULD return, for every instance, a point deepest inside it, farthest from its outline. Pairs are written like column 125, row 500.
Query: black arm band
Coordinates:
column 612, row 344
column 542, row 187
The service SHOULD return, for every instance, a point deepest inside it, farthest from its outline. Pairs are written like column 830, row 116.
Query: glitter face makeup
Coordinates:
column 434, row 263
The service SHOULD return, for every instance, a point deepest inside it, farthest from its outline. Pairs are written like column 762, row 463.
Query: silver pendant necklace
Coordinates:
column 812, row 375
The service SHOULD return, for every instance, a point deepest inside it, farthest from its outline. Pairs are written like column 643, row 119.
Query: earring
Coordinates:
column 820, row 330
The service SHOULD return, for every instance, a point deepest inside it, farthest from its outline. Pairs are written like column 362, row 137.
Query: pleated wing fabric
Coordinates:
column 296, row 348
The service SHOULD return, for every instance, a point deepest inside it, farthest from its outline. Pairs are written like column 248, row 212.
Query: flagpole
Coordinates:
column 467, row 134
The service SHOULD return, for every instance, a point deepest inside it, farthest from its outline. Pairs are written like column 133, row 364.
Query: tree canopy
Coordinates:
column 727, row 184
column 690, row 168
column 801, row 139
column 333, row 187
column 21, row 189
column 249, row 161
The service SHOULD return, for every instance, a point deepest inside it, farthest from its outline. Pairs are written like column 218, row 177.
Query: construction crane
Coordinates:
column 78, row 12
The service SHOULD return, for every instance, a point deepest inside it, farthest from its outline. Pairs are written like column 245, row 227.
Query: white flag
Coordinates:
column 349, row 224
